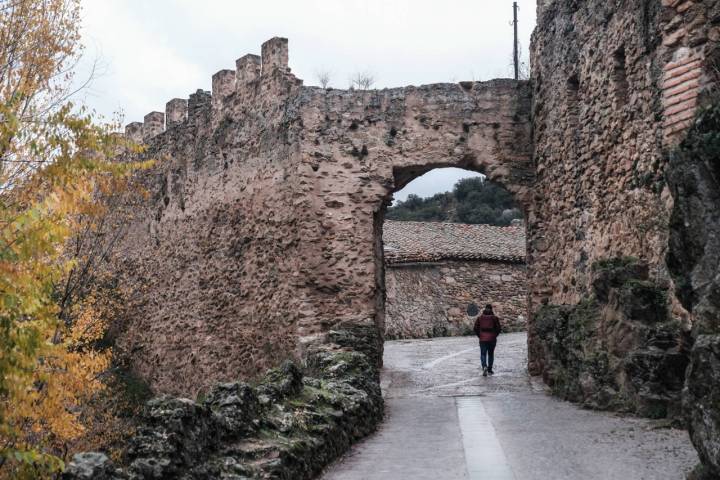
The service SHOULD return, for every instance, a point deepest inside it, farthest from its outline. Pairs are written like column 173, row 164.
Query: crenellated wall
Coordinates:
column 266, row 210
column 262, row 234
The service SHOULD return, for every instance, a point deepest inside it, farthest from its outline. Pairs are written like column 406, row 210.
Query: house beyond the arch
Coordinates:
column 434, row 271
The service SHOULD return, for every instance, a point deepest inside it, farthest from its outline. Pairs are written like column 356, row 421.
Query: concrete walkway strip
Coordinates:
column 484, row 456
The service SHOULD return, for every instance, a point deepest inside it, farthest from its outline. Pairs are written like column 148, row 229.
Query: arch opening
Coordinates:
column 449, row 239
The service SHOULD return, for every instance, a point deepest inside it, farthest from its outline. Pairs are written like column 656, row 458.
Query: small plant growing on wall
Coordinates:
column 362, row 80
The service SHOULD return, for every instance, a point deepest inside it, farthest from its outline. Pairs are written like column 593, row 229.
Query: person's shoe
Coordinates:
column 490, row 371
column 485, row 372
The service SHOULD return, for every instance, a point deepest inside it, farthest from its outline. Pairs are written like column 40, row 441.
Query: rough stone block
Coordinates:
column 275, row 55
column 247, row 69
column 198, row 101
column 223, row 84
column 153, row 125
column 176, row 111
column 134, row 131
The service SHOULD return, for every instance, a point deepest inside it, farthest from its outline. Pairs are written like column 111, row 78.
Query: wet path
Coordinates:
column 445, row 421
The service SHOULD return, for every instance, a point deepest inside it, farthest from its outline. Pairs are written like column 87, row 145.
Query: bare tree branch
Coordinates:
column 323, row 78
column 362, row 80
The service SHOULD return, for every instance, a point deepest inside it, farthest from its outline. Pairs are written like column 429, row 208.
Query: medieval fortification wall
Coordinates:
column 616, row 88
column 263, row 232
column 261, row 238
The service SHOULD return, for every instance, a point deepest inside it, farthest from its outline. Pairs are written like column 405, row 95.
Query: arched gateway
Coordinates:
column 261, row 237
column 265, row 229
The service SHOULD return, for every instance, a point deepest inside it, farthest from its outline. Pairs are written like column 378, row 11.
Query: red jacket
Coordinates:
column 487, row 327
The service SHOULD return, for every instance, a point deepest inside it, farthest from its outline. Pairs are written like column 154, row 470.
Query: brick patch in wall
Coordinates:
column 681, row 88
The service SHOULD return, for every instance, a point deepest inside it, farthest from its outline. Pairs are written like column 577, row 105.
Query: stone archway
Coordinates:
column 448, row 253
column 366, row 145
column 262, row 234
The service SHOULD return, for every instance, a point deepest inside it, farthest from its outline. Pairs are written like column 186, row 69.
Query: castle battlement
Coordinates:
column 176, row 111
column 243, row 82
column 275, row 55
column 133, row 131
column 247, row 69
column 153, row 124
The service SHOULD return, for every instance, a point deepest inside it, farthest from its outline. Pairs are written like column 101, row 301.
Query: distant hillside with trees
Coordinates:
column 472, row 200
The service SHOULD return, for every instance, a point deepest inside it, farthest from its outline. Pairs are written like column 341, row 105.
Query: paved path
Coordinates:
column 444, row 421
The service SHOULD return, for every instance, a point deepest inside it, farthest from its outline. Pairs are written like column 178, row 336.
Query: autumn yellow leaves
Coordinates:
column 55, row 170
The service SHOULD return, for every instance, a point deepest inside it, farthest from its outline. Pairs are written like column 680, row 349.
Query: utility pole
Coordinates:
column 516, row 61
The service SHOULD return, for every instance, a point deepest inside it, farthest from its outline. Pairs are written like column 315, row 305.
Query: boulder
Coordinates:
column 236, row 407
column 619, row 348
column 91, row 466
column 175, row 433
column 701, row 400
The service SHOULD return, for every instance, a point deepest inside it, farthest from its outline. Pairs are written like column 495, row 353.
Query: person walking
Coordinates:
column 487, row 328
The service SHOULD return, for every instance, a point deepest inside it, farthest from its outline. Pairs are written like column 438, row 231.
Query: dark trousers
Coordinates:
column 487, row 353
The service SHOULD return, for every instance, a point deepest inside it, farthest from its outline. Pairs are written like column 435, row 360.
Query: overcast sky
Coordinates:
column 147, row 52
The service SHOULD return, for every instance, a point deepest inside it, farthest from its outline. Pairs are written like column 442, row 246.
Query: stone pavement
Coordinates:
column 444, row 421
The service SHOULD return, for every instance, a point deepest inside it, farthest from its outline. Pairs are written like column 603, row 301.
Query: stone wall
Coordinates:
column 262, row 230
column 597, row 116
column 617, row 85
column 263, row 227
column 431, row 299
column 613, row 84
column 290, row 424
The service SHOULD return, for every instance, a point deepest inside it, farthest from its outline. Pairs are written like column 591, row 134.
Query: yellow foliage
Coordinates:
column 54, row 168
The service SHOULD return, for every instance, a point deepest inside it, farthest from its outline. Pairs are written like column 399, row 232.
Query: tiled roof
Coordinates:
column 410, row 242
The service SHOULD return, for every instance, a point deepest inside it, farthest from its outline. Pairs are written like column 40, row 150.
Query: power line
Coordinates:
column 516, row 60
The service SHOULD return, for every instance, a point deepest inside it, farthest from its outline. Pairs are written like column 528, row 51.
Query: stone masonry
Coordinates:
column 263, row 228
column 431, row 299
column 616, row 86
column 434, row 271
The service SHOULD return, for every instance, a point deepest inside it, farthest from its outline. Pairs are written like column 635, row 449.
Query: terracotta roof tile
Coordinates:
column 409, row 242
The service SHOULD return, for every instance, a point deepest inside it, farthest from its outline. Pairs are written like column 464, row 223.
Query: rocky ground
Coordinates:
column 444, row 420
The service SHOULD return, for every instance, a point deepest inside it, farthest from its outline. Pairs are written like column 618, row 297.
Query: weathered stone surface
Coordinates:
column 289, row 426
column 693, row 260
column 279, row 383
column 620, row 350
column 175, row 433
column 237, row 405
column 431, row 299
column 599, row 160
column 614, row 85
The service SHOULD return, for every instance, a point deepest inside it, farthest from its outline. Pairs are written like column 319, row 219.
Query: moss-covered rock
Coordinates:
column 280, row 383
column 236, row 407
column 612, row 273
column 289, row 426
column 619, row 349
column 694, row 250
